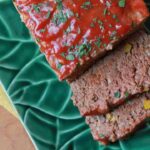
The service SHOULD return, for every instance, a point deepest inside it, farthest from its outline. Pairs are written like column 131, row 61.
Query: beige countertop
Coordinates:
column 13, row 135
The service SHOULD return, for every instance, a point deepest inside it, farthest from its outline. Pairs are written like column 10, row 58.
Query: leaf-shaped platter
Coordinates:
column 42, row 101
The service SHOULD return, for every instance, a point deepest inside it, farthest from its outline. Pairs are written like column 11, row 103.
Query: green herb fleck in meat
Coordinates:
column 117, row 94
column 126, row 94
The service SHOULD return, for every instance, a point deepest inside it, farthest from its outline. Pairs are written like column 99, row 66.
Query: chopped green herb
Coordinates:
column 77, row 15
column 83, row 49
column 105, row 11
column 63, row 54
column 114, row 16
column 82, row 53
column 65, row 43
column 122, row 3
column 98, row 42
column 19, row 7
column 37, row 39
column 42, row 30
column 117, row 94
column 70, row 57
column 101, row 135
column 105, row 45
column 126, row 94
column 48, row 14
column 68, row 30
column 94, row 20
column 86, row 5
column 100, row 22
column 101, row 27
column 59, row 18
column 36, row 8
column 92, row 25
column 59, row 4
column 59, row 66
column 108, row 4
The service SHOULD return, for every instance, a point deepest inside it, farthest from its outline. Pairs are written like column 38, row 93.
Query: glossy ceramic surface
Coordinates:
column 42, row 101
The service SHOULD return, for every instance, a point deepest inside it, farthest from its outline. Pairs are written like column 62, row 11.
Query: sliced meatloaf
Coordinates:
column 73, row 34
column 119, row 76
column 122, row 121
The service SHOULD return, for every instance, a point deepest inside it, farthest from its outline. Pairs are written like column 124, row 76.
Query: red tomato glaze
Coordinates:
column 71, row 32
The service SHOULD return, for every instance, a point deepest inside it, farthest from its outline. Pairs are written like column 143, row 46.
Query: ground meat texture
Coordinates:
column 122, row 121
column 74, row 34
column 116, row 78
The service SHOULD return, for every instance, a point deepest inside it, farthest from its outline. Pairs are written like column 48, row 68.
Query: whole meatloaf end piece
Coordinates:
column 122, row 121
column 73, row 34
column 117, row 77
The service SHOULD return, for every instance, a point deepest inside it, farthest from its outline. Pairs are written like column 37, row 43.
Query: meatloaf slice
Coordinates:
column 120, row 75
column 73, row 34
column 122, row 121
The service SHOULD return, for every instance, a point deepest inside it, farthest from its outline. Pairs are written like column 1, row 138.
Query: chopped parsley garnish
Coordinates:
column 100, row 22
column 42, row 30
column 92, row 25
column 36, row 8
column 65, row 43
column 105, row 45
column 68, row 30
column 117, row 94
column 48, row 14
column 98, row 42
column 63, row 54
column 59, row 18
column 37, row 39
column 94, row 20
column 86, row 5
column 83, row 49
column 101, row 135
column 105, row 11
column 122, row 3
column 114, row 16
column 70, row 57
column 108, row 4
column 77, row 15
column 59, row 4
column 59, row 65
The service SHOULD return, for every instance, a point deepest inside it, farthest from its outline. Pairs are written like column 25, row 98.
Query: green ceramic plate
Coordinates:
column 42, row 101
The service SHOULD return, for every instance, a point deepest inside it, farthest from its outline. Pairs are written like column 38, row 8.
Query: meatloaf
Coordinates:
column 116, row 78
column 122, row 121
column 73, row 34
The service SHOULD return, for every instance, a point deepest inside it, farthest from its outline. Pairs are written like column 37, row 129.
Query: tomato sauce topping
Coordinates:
column 71, row 32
